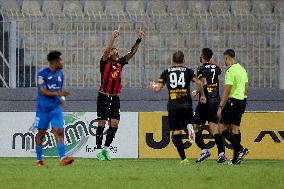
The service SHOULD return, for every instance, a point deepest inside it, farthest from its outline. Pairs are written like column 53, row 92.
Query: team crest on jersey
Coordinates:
column 59, row 79
column 115, row 74
column 40, row 80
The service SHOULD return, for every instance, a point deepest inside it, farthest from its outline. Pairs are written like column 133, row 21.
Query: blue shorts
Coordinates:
column 54, row 118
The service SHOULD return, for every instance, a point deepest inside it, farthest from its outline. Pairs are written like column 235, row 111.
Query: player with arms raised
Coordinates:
column 108, row 102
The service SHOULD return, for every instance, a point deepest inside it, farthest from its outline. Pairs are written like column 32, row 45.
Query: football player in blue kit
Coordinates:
column 51, row 96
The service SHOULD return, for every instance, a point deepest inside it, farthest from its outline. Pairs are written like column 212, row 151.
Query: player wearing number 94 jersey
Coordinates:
column 177, row 79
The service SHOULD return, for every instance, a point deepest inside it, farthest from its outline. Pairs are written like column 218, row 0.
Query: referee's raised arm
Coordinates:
column 115, row 34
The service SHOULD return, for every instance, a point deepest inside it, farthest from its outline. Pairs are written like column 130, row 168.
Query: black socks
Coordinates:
column 220, row 143
column 110, row 136
column 233, row 140
column 199, row 140
column 99, row 137
column 177, row 140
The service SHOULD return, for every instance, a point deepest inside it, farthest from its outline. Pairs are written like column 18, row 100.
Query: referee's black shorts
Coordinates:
column 108, row 107
column 232, row 112
column 180, row 117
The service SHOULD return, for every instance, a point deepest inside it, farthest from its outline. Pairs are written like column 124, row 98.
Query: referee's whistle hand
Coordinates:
column 202, row 99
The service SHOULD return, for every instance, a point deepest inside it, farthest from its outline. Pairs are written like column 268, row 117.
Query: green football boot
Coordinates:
column 105, row 153
column 100, row 156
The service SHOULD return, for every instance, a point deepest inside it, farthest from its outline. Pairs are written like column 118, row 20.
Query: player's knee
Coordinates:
column 178, row 132
column 214, row 129
column 196, row 128
column 39, row 136
column 235, row 129
column 215, row 132
column 114, row 123
column 102, row 123
column 40, row 133
column 58, row 132
column 221, row 128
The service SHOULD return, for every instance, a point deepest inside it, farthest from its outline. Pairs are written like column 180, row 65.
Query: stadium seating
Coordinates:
column 81, row 29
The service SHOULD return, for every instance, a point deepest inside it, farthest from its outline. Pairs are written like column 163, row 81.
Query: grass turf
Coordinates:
column 144, row 173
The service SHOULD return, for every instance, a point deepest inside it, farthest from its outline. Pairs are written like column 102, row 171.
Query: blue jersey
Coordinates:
column 52, row 81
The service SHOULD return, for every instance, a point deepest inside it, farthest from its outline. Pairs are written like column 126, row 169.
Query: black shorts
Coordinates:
column 179, row 118
column 108, row 107
column 232, row 112
column 206, row 112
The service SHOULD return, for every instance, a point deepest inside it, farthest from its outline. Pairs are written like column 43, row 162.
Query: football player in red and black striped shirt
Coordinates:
column 108, row 102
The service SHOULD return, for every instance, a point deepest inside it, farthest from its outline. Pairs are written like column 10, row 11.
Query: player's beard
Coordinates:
column 115, row 60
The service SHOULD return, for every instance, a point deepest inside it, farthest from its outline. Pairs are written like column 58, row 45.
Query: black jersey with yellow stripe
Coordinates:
column 177, row 79
column 211, row 72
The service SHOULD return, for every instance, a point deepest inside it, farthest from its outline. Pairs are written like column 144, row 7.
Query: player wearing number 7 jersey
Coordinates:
column 177, row 79
column 208, row 73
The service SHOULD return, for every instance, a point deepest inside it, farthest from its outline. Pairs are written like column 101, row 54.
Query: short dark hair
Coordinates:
column 207, row 53
column 53, row 55
column 178, row 57
column 230, row 53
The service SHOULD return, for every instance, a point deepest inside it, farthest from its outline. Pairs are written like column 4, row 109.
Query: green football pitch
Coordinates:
column 144, row 173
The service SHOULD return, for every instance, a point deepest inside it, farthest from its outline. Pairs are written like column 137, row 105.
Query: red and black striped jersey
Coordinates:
column 111, row 75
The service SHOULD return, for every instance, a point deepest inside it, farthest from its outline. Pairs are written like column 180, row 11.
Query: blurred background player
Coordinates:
column 177, row 79
column 48, row 111
column 232, row 104
column 208, row 73
column 108, row 102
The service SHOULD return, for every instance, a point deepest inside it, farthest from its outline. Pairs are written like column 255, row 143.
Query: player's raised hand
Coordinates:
column 141, row 34
column 202, row 99
column 116, row 33
column 64, row 93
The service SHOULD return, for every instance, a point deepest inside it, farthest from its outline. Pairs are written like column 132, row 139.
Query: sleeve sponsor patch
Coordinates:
column 40, row 80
